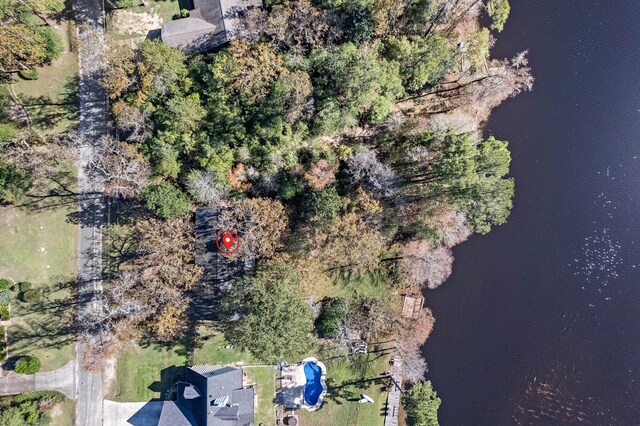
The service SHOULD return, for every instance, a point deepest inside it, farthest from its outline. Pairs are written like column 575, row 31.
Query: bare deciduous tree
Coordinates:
column 132, row 121
column 414, row 366
column 364, row 167
column 204, row 187
column 424, row 265
column 118, row 165
column 320, row 175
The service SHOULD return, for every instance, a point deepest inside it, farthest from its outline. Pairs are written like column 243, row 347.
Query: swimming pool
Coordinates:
column 315, row 387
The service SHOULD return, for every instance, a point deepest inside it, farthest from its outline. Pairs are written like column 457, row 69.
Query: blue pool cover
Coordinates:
column 313, row 388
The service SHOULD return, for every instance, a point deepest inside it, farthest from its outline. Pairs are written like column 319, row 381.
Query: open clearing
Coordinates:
column 145, row 373
column 40, row 246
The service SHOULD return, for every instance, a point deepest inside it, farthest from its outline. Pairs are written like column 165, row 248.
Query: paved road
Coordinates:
column 93, row 107
column 62, row 380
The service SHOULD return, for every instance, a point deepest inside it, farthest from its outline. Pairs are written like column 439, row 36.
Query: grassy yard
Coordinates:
column 263, row 379
column 39, row 246
column 211, row 349
column 64, row 414
column 136, row 22
column 52, row 99
column 346, row 380
column 374, row 285
column 145, row 372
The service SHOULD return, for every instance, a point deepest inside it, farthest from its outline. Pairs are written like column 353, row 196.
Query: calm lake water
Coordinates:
column 540, row 321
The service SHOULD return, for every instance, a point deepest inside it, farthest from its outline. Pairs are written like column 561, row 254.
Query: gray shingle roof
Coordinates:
column 210, row 24
column 171, row 415
column 210, row 396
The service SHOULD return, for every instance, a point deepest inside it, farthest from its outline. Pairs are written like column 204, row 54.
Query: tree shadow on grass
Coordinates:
column 46, row 112
column 56, row 190
column 47, row 324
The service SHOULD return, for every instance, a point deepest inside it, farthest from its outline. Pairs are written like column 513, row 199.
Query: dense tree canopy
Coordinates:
column 166, row 200
column 24, row 42
column 341, row 141
column 274, row 322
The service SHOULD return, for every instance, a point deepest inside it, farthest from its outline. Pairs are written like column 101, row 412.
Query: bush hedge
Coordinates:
column 7, row 132
column 5, row 284
column 24, row 286
column 333, row 313
column 28, row 365
column 5, row 297
column 31, row 296
column 29, row 408
column 4, row 312
column 31, row 74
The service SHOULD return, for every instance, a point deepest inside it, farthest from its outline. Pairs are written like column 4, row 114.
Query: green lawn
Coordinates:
column 40, row 246
column 373, row 285
column 346, row 380
column 211, row 349
column 145, row 373
column 263, row 379
column 136, row 22
column 64, row 414
column 52, row 99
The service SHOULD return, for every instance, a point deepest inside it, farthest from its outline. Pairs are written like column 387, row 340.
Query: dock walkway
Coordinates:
column 395, row 394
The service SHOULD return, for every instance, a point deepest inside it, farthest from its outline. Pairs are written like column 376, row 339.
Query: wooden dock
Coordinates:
column 395, row 394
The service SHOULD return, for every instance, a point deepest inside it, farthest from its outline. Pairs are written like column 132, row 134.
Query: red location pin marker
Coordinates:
column 227, row 240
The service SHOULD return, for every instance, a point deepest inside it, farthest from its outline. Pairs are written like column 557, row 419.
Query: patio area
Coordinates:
column 303, row 385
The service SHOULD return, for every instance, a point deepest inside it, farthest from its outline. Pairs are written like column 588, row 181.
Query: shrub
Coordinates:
column 323, row 204
column 13, row 184
column 4, row 312
column 5, row 284
column 31, row 296
column 52, row 41
column 29, row 408
column 28, row 365
column 166, row 201
column 123, row 4
column 24, row 286
column 31, row 74
column 5, row 297
column 7, row 131
column 333, row 313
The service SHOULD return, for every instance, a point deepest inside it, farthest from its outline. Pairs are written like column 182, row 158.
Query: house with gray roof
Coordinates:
column 210, row 24
column 210, row 396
